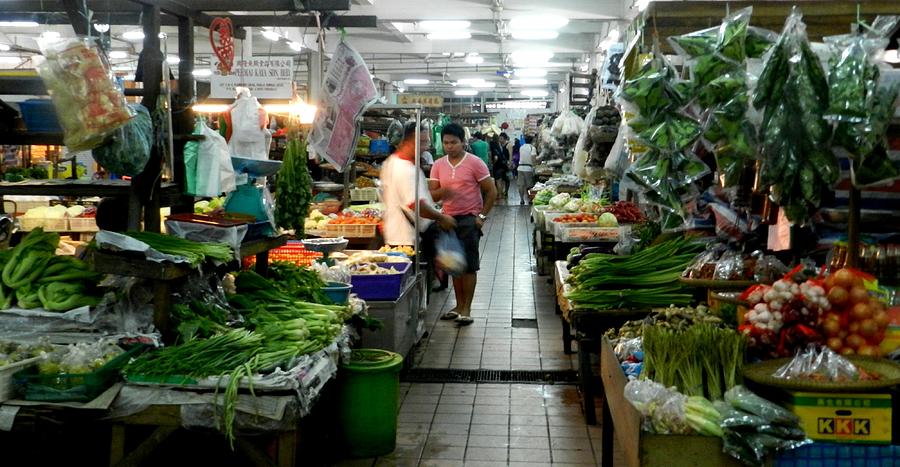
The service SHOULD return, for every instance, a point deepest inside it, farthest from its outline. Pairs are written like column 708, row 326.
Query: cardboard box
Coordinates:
column 847, row 418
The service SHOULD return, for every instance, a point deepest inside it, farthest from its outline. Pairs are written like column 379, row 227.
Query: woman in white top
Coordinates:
column 525, row 168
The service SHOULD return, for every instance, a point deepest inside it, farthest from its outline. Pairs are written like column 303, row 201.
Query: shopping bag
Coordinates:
column 215, row 174
column 127, row 150
column 450, row 256
column 191, row 150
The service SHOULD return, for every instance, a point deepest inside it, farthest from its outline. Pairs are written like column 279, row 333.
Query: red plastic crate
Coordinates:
column 293, row 252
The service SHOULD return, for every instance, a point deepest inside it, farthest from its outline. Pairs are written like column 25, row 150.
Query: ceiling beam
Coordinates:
column 177, row 9
column 304, row 21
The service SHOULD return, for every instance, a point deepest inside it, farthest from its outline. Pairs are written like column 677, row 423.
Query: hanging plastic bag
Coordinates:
column 87, row 102
column 450, row 255
column 248, row 138
column 191, row 150
column 127, row 151
column 214, row 174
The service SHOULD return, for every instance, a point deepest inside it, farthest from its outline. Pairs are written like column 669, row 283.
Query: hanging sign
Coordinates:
column 267, row 78
column 518, row 104
column 224, row 46
column 424, row 99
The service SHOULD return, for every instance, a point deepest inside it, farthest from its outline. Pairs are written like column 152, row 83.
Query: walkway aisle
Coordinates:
column 516, row 328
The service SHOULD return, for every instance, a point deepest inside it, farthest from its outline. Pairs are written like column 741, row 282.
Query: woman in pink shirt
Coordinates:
column 463, row 183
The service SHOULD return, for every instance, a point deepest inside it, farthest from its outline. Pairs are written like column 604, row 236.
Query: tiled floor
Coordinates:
column 495, row 424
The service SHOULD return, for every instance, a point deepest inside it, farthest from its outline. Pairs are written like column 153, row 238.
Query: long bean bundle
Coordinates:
column 648, row 278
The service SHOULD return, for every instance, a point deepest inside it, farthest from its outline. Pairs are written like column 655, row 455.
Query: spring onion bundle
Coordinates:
column 645, row 279
column 194, row 252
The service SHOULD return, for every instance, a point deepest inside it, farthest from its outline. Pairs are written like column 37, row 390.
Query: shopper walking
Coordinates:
column 461, row 181
column 500, row 168
column 398, row 185
column 481, row 149
column 525, row 168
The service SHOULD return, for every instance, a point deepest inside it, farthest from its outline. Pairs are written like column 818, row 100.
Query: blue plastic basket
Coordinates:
column 338, row 292
column 384, row 287
column 40, row 116
column 840, row 455
column 379, row 147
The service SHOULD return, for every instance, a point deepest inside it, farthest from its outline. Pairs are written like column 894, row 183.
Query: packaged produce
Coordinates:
column 543, row 197
column 823, row 364
column 128, row 149
column 719, row 262
column 12, row 352
column 662, row 408
column 87, row 102
column 797, row 165
column 78, row 358
column 755, row 428
column 559, row 201
column 857, row 317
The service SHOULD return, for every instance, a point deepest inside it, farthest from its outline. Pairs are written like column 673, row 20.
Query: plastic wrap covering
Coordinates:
column 87, row 102
column 818, row 364
column 340, row 272
column 128, row 150
column 662, row 408
column 231, row 236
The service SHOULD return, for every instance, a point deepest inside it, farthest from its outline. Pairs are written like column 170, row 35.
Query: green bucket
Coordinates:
column 369, row 395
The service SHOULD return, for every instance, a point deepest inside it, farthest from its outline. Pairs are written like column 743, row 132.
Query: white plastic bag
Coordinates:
column 248, row 138
column 215, row 174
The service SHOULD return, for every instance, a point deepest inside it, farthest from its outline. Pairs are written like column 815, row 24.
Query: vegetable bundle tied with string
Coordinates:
column 293, row 186
column 645, row 279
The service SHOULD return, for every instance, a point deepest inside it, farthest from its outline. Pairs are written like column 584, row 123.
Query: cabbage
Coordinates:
column 574, row 205
column 560, row 200
column 543, row 197
column 607, row 219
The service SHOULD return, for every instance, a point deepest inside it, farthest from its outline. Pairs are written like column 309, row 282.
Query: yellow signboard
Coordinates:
column 424, row 99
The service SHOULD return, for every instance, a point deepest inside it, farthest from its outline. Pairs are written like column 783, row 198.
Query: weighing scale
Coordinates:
column 252, row 197
column 325, row 246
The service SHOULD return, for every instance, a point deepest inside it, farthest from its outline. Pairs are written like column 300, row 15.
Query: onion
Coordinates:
column 869, row 351
column 855, row 341
column 844, row 278
column 838, row 296
column 861, row 311
column 868, row 328
column 835, row 343
column 882, row 319
column 832, row 328
column 859, row 295
column 847, row 351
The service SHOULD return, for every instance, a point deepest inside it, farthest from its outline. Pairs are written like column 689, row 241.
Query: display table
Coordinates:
column 622, row 421
column 588, row 327
column 403, row 319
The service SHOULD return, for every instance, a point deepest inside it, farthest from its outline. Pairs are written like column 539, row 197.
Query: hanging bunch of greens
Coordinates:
column 797, row 165
column 718, row 64
column 860, row 107
column 293, row 187
column 668, row 170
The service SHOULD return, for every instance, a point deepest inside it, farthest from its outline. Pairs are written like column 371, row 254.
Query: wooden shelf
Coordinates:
column 100, row 188
column 127, row 265
column 262, row 245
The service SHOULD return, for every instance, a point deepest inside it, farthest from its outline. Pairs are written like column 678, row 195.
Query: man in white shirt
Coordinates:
column 525, row 167
column 398, row 179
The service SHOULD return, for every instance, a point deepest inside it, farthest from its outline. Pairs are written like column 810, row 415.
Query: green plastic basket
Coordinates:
column 71, row 387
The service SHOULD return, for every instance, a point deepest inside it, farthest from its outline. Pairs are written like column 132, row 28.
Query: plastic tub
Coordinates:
column 379, row 147
column 338, row 292
column 382, row 287
column 369, row 394
column 40, row 116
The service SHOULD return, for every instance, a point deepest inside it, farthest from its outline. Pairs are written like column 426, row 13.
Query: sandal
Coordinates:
column 464, row 320
column 450, row 315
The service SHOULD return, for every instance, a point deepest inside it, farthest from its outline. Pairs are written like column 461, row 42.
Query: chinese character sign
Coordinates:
column 267, row 78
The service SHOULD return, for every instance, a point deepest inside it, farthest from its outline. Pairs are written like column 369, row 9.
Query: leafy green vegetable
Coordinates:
column 293, row 187
column 194, row 252
column 301, row 283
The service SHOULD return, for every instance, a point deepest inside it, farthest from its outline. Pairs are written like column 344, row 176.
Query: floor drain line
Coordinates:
column 524, row 323
column 443, row 375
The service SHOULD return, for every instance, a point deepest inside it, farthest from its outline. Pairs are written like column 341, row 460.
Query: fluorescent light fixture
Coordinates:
column 470, row 81
column 210, row 108
column 295, row 46
column 101, row 27
column 446, row 54
column 535, row 93
column 543, row 22
column 173, row 60
column 270, row 35
column 466, row 92
column 584, row 67
column 534, row 35
column 4, row 48
column 531, row 57
column 415, row 81
column 202, row 72
column 613, row 35
column 530, row 72
column 891, row 56
column 128, row 77
column 642, row 4
column 11, row 60
column 443, row 25
column 449, row 35
column 484, row 84
column 134, row 35
column 528, row 82
column 50, row 35
column 18, row 24
column 306, row 112
column 118, row 54
column 474, row 59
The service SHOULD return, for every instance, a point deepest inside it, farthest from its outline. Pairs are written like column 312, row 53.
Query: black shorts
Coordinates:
column 470, row 236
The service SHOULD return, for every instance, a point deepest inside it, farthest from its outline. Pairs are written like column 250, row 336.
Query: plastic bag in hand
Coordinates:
column 450, row 254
